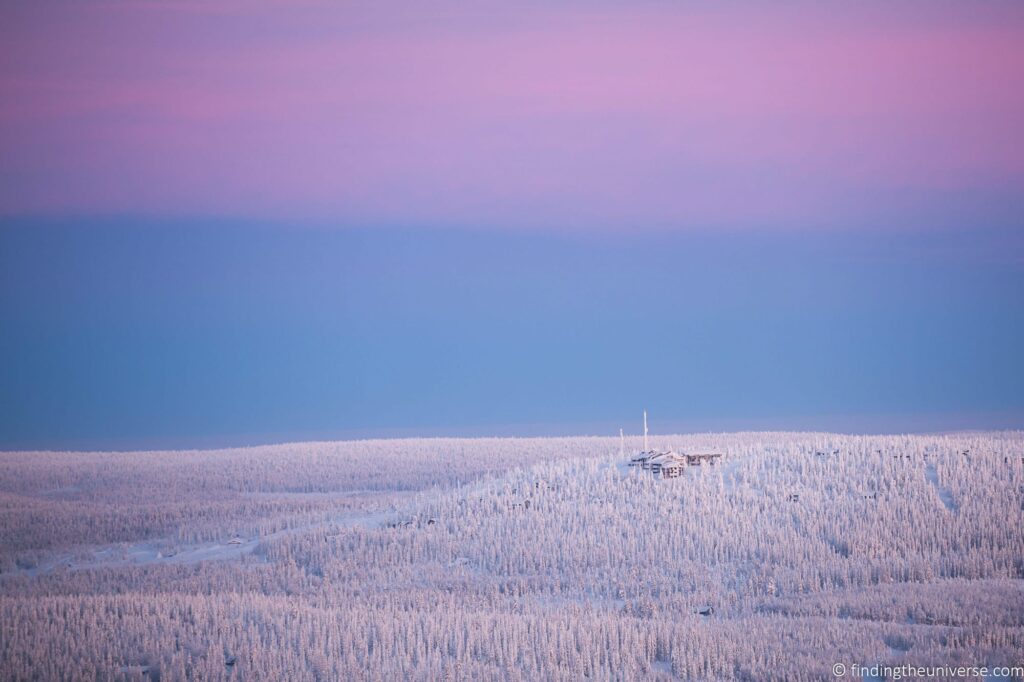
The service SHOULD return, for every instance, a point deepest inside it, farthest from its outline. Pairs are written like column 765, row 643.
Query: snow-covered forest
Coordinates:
column 517, row 559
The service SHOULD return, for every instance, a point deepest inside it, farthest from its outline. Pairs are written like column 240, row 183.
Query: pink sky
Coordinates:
column 517, row 114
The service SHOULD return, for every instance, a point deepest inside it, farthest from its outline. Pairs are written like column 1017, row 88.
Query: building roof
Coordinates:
column 666, row 457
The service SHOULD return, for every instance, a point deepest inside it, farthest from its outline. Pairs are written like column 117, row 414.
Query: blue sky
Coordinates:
column 138, row 333
column 235, row 224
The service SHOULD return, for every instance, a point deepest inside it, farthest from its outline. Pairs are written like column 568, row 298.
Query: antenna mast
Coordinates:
column 645, row 431
column 622, row 444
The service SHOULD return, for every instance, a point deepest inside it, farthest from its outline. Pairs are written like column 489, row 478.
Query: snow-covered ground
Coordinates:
column 167, row 551
column 514, row 559
column 944, row 494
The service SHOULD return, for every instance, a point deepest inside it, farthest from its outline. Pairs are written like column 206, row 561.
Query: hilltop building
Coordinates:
column 668, row 463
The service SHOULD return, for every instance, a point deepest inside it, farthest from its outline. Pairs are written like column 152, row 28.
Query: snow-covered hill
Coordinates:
column 514, row 559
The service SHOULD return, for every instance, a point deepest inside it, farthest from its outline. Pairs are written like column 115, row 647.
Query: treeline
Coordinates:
column 188, row 637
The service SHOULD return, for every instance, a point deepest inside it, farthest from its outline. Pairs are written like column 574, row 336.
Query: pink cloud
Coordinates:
column 599, row 114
